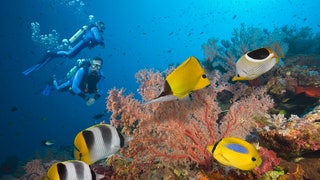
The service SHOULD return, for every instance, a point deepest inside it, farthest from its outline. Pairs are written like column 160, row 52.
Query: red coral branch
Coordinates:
column 177, row 132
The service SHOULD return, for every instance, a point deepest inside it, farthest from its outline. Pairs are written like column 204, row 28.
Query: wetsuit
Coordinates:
column 85, row 83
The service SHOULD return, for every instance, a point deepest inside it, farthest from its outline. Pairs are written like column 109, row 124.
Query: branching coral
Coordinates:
column 35, row 169
column 176, row 133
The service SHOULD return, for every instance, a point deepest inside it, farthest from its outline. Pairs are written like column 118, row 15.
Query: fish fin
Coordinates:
column 99, row 176
column 161, row 99
column 278, row 50
column 166, row 90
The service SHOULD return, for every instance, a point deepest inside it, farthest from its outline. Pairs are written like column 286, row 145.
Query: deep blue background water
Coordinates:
column 139, row 34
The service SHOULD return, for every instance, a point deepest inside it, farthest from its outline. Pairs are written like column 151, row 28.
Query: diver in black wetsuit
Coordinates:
column 86, row 81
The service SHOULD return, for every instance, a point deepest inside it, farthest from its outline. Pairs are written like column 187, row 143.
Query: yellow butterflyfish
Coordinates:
column 186, row 78
column 235, row 152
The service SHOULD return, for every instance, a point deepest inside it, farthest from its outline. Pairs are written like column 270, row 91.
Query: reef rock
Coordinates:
column 292, row 137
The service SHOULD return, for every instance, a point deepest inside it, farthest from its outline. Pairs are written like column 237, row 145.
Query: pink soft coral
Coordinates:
column 177, row 132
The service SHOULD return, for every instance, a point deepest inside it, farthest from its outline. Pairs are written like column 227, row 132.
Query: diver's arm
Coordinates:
column 97, row 35
column 76, row 83
column 100, row 87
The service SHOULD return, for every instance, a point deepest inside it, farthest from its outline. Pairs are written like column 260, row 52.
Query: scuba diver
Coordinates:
column 85, row 79
column 87, row 36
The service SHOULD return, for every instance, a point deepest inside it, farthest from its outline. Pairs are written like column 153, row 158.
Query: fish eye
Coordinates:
column 204, row 76
column 253, row 159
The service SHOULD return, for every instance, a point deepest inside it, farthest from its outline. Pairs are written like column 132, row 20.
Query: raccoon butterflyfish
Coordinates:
column 72, row 169
column 255, row 63
column 235, row 152
column 186, row 78
column 98, row 142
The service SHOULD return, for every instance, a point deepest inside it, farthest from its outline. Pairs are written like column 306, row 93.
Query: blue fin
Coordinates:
column 47, row 90
column 31, row 69
column 45, row 60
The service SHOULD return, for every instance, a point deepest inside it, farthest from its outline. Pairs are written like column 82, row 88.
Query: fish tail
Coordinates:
column 278, row 50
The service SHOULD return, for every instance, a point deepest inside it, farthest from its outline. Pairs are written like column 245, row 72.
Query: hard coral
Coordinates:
column 294, row 137
column 292, row 170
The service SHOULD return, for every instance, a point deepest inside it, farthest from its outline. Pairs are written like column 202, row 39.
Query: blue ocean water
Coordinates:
column 139, row 34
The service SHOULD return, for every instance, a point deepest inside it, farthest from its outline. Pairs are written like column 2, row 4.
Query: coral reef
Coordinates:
column 270, row 160
column 300, row 71
column 176, row 133
column 173, row 135
column 297, row 141
column 35, row 169
column 293, row 137
column 300, row 40
column 170, row 138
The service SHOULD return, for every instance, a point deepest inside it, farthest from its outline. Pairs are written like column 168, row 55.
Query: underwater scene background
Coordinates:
column 144, row 41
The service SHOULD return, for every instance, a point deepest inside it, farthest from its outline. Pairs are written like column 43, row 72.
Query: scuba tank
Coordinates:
column 71, row 72
column 76, row 37
column 80, row 63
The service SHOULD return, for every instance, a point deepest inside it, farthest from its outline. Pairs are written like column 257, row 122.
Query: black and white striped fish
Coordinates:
column 73, row 169
column 98, row 142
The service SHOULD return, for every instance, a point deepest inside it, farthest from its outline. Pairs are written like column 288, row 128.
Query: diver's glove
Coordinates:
column 90, row 101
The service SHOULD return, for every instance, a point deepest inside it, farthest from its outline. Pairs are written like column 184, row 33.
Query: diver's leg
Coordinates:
column 61, row 87
column 63, row 54
column 55, row 84
column 49, row 86
column 76, row 49
column 45, row 60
